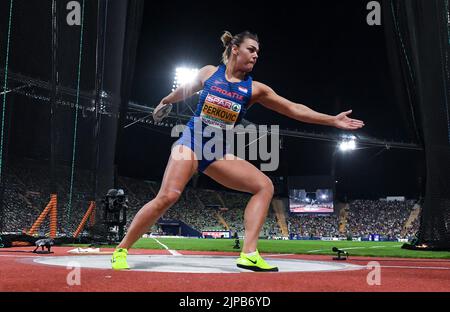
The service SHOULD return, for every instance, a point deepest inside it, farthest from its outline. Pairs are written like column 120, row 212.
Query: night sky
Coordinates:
column 321, row 54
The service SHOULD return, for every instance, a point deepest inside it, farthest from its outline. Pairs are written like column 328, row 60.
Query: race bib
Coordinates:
column 220, row 113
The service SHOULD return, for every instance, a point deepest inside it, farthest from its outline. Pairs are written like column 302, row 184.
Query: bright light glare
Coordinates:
column 347, row 145
column 184, row 75
column 343, row 146
column 352, row 145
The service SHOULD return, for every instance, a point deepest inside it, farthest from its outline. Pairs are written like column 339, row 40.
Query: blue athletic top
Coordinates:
column 222, row 104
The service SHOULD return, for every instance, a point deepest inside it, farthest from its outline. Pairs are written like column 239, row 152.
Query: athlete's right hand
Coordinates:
column 161, row 111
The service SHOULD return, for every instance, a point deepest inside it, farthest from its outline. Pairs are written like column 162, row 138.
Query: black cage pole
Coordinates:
column 53, row 99
column 133, row 28
column 99, row 73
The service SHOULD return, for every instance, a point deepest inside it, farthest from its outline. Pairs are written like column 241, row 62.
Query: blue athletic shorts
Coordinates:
column 196, row 143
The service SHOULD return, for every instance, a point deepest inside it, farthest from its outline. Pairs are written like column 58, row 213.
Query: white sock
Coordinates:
column 251, row 254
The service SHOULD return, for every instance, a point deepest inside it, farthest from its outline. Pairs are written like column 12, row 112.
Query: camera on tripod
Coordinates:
column 115, row 205
column 115, row 200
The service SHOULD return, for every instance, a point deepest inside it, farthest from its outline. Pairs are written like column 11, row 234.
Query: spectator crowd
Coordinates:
column 27, row 192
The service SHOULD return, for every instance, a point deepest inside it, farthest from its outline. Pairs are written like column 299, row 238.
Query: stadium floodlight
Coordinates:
column 184, row 75
column 348, row 143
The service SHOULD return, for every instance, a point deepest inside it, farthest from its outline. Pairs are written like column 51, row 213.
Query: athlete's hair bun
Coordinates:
column 226, row 38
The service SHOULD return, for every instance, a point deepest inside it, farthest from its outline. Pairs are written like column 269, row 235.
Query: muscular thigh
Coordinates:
column 181, row 166
column 237, row 174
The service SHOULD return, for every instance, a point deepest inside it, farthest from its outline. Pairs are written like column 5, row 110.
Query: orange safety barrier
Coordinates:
column 89, row 213
column 92, row 219
column 52, row 208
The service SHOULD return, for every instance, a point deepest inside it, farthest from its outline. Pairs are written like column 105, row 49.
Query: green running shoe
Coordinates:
column 119, row 259
column 254, row 263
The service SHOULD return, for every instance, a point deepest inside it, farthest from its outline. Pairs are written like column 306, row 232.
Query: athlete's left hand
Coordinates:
column 343, row 122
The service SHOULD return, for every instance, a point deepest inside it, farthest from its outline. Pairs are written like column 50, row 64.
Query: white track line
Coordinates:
column 173, row 252
column 394, row 246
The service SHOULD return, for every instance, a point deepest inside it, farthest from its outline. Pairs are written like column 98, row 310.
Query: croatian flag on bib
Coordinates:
column 242, row 89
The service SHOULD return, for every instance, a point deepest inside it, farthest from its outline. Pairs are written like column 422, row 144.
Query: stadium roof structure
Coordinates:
column 137, row 113
column 173, row 119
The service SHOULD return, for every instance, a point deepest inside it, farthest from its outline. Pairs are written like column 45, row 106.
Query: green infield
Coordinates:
column 372, row 249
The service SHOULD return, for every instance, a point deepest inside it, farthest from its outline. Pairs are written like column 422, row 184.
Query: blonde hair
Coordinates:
column 228, row 41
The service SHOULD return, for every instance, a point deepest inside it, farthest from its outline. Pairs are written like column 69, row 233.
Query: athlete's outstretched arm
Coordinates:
column 264, row 95
column 187, row 90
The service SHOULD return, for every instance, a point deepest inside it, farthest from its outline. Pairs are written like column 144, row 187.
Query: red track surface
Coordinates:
column 18, row 272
